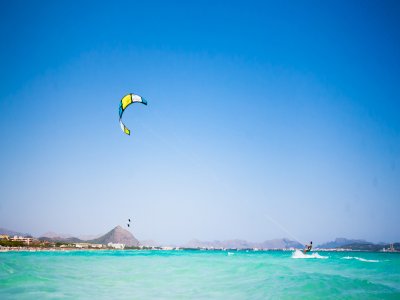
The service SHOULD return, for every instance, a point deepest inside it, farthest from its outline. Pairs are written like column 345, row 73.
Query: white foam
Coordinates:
column 300, row 254
column 230, row 253
column 360, row 259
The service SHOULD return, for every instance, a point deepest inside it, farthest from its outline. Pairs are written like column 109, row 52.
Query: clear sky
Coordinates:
column 265, row 119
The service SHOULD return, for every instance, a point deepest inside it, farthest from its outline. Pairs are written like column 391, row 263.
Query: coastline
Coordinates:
column 69, row 249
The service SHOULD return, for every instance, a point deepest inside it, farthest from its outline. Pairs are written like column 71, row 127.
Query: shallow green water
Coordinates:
column 198, row 275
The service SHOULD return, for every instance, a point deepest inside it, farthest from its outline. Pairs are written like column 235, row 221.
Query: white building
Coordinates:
column 16, row 238
column 116, row 246
column 82, row 245
column 88, row 245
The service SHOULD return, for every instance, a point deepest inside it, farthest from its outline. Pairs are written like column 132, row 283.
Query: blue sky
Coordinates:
column 265, row 120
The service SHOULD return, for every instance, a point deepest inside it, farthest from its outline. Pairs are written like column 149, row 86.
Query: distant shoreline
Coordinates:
column 34, row 249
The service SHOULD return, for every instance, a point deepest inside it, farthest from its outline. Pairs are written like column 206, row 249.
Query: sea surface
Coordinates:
column 133, row 274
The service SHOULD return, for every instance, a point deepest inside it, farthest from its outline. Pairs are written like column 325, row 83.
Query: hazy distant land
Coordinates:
column 119, row 235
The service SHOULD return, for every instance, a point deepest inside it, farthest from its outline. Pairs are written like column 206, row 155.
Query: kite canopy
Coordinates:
column 125, row 102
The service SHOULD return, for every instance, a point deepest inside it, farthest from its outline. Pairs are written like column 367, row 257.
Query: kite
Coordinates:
column 125, row 102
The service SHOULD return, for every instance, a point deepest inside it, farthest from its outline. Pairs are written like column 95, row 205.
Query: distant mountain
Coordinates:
column 117, row 235
column 233, row 244
column 53, row 235
column 61, row 239
column 149, row 243
column 237, row 244
column 280, row 244
column 86, row 237
column 360, row 245
column 195, row 243
column 12, row 232
column 363, row 246
column 366, row 246
column 339, row 242
column 242, row 244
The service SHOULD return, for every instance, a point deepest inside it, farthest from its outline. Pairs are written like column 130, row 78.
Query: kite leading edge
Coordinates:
column 125, row 102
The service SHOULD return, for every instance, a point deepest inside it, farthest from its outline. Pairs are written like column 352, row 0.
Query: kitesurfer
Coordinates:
column 307, row 248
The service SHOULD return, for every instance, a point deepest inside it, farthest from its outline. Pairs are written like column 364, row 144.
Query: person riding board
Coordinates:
column 307, row 248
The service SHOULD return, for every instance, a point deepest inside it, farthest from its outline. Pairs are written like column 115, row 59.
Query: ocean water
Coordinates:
column 199, row 275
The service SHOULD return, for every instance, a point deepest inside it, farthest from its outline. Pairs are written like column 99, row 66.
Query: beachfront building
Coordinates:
column 87, row 245
column 82, row 245
column 167, row 248
column 4, row 237
column 16, row 238
column 116, row 245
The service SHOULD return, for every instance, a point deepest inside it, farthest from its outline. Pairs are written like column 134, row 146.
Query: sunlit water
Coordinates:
column 199, row 275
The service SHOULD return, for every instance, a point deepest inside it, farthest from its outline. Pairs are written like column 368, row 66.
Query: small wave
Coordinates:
column 7, row 268
column 299, row 254
column 360, row 259
column 230, row 253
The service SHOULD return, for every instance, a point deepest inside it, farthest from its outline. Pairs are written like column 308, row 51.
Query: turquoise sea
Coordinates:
column 199, row 275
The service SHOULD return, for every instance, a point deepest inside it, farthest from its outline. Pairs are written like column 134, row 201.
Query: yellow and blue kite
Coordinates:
column 125, row 102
